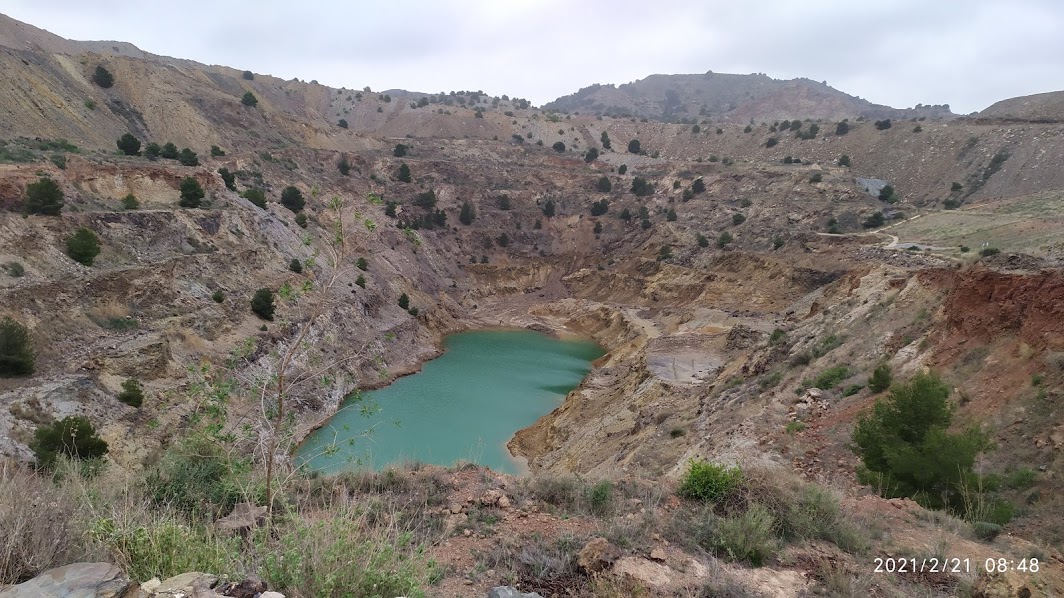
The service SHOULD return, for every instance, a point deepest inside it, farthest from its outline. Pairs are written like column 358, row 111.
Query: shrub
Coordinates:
column 645, row 223
column 548, row 208
column 641, row 187
column 558, row 146
column 772, row 141
column 737, row 219
column 876, row 220
column 256, row 196
column 907, row 450
column 217, row 152
column 956, row 186
column 83, row 246
column 403, row 175
column 344, row 166
column 43, row 197
column 16, row 352
column 228, row 178
column 132, row 394
column 604, row 185
column 591, row 155
column 292, row 198
column 880, row 379
column 295, row 266
column 883, row 125
column 249, row 99
column 188, row 157
column 361, row 281
column 129, row 145
column 218, row 296
column 887, row 194
column 777, row 242
column 844, row 160
column 342, row 123
column 989, row 251
column 103, row 77
column 605, row 139
column 749, row 537
column 816, row 178
column 249, row 76
column 842, row 128
column 831, row 377
column 724, row 239
column 404, row 301
column 709, row 482
column 15, row 269
column 699, row 186
column 169, row 151
column 362, row 264
column 152, row 151
column 191, row 193
column 633, row 146
column 72, row 436
column 702, row 240
column 426, row 199
column 400, row 150
column 600, row 207
column 262, row 304
column 623, row 168
column 466, row 216
column 670, row 215
column 747, row 129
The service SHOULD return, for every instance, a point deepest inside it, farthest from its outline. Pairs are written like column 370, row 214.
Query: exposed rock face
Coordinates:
column 80, row 580
column 597, row 555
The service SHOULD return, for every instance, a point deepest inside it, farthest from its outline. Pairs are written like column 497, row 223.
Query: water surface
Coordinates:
column 463, row 405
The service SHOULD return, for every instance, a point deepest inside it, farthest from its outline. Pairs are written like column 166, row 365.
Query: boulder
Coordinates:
column 598, row 554
column 79, row 580
column 243, row 517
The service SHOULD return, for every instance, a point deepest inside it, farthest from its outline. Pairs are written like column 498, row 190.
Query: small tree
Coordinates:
column 256, row 196
column 16, row 352
column 73, row 437
column 844, row 160
column 228, row 178
column 83, row 246
column 842, row 128
column 191, row 193
column 217, row 152
column 883, row 125
column 633, row 146
column 591, row 155
column 400, row 150
column 604, row 185
column 132, row 394
column 503, row 240
column 344, row 166
column 249, row 76
column 600, row 207
column 641, row 187
column 362, row 264
column 361, row 281
column 301, row 220
column 906, row 448
column 887, row 194
column 699, row 186
column 626, row 215
column 598, row 228
column 188, row 157
column 548, row 208
column 558, row 146
column 129, row 145
column 404, row 173
column 103, row 77
column 43, row 197
column 129, row 202
column 262, row 304
column 295, row 266
column 623, row 168
column 724, row 239
column 426, row 199
column 404, row 301
column 342, row 123
column 874, row 221
column 152, row 151
column 772, row 141
column 737, row 219
column 702, row 240
column 249, row 99
column 467, row 215
column 292, row 198
column 605, row 139
column 670, row 215
column 169, row 151
column 880, row 379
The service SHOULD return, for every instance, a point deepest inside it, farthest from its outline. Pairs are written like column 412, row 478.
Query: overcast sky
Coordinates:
column 968, row 54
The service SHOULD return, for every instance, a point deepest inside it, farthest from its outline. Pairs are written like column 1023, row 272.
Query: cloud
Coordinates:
column 967, row 54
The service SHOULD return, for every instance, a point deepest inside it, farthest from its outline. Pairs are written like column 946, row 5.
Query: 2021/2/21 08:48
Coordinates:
column 952, row 565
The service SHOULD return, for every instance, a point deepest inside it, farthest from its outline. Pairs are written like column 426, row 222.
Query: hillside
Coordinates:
column 727, row 98
column 745, row 292
column 1037, row 108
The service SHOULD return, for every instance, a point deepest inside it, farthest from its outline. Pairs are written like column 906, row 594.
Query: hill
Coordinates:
column 728, row 98
column 1037, row 108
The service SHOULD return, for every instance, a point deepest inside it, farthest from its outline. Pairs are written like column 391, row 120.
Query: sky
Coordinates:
column 968, row 54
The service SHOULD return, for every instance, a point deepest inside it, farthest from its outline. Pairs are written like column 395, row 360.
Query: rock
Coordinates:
column 243, row 517
column 1001, row 585
column 271, row 595
column 192, row 584
column 657, row 554
column 249, row 588
column 455, row 509
column 80, row 580
column 504, row 502
column 493, row 497
column 653, row 575
column 508, row 592
column 597, row 554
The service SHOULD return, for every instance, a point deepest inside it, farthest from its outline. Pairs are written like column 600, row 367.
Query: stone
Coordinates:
column 508, row 592
column 598, row 554
column 271, row 595
column 191, row 585
column 504, row 502
column 79, row 580
column 455, row 509
column 491, row 498
column 657, row 554
column 249, row 588
column 653, row 575
column 243, row 517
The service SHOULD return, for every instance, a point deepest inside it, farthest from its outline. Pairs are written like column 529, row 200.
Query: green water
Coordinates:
column 464, row 405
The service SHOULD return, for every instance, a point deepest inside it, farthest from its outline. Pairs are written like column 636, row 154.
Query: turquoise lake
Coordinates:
column 462, row 406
